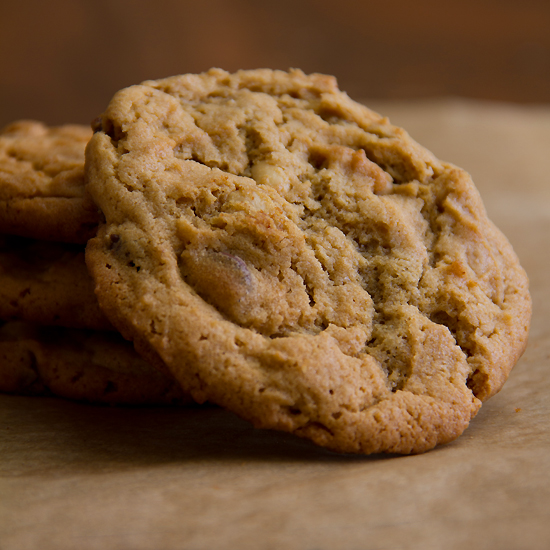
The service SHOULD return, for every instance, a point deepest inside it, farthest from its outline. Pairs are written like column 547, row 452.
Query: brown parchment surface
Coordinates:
column 75, row 476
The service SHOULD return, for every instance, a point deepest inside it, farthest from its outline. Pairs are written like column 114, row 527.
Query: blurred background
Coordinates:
column 62, row 60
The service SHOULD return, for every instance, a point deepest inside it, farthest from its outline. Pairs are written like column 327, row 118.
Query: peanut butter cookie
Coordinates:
column 47, row 283
column 42, row 191
column 92, row 366
column 297, row 259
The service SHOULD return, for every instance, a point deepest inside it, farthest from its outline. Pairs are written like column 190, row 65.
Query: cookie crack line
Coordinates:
column 292, row 256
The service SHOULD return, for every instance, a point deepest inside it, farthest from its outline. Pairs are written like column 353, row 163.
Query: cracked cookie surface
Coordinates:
column 42, row 188
column 297, row 259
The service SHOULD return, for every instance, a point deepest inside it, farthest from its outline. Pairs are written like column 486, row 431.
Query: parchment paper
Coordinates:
column 80, row 477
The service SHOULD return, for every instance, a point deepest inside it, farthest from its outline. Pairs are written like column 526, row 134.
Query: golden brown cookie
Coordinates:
column 47, row 283
column 92, row 366
column 42, row 191
column 297, row 259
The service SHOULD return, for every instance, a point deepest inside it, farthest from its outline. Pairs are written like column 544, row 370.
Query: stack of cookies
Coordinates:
column 54, row 339
column 282, row 251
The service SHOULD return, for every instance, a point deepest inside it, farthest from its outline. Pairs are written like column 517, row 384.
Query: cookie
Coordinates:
column 42, row 191
column 294, row 257
column 47, row 283
column 92, row 366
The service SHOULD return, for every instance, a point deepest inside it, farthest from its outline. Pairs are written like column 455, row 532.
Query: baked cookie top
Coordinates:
column 297, row 259
column 84, row 365
column 42, row 191
column 47, row 283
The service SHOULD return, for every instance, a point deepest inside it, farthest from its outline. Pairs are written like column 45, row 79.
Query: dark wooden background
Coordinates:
column 62, row 60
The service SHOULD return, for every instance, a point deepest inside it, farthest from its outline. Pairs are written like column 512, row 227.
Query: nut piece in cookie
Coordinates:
column 297, row 259
column 42, row 191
